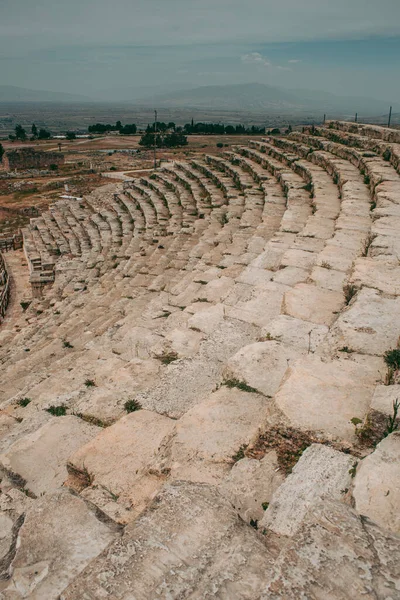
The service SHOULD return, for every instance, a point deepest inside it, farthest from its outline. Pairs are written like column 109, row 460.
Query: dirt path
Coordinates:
column 20, row 287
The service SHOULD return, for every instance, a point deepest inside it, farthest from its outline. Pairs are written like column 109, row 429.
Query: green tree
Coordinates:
column 34, row 130
column 173, row 140
column 1, row 153
column 128, row 129
column 44, row 134
column 70, row 135
column 20, row 133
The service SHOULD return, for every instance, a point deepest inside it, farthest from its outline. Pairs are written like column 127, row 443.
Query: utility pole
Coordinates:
column 390, row 116
column 155, row 139
column 356, row 119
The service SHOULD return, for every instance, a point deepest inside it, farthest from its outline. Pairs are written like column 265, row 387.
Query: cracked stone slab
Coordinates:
column 324, row 396
column 370, row 325
column 312, row 303
column 40, row 458
column 59, row 537
column 337, row 554
column 211, row 433
column 251, row 484
column 261, row 365
column 377, row 484
column 119, row 458
column 190, row 543
column 321, row 473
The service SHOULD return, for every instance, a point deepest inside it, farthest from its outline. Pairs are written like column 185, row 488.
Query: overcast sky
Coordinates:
column 349, row 47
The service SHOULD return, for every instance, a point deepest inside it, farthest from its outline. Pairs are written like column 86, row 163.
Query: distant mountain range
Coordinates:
column 11, row 93
column 256, row 96
column 246, row 97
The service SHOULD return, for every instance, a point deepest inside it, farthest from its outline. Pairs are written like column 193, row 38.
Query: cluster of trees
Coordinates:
column 163, row 127
column 218, row 129
column 1, row 153
column 105, row 128
column 36, row 134
column 163, row 140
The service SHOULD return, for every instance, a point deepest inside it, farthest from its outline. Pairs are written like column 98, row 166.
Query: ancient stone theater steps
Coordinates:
column 202, row 404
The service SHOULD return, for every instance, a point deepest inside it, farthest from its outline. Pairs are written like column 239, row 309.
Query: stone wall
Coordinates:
column 27, row 158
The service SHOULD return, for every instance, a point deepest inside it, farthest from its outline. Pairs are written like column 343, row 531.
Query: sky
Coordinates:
column 105, row 49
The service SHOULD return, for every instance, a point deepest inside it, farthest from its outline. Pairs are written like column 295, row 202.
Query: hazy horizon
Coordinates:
column 100, row 49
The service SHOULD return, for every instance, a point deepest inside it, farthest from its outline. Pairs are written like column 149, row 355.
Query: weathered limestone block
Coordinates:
column 337, row 554
column 328, row 278
column 40, row 457
column 261, row 365
column 384, row 398
column 311, row 303
column 207, row 319
column 377, row 274
column 338, row 255
column 321, row 473
column 11, row 430
column 290, row 276
column 59, row 537
column 299, row 258
column 119, row 458
column 251, row 484
column 371, row 325
column 183, row 342
column 302, row 335
column 255, row 276
column 209, row 434
column 190, row 543
column 215, row 291
column 325, row 396
column 264, row 305
column 377, row 484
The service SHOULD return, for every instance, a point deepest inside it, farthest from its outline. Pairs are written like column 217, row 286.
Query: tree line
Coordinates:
column 220, row 129
column 36, row 134
column 129, row 129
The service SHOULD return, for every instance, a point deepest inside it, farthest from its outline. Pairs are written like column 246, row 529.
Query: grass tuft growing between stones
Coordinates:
column 132, row 406
column 240, row 385
column 90, row 383
column 24, row 402
column 57, row 411
column 349, row 292
column 240, row 453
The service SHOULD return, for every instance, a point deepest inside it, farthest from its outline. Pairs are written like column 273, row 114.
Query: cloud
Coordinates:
column 255, row 58
column 294, row 61
column 280, row 68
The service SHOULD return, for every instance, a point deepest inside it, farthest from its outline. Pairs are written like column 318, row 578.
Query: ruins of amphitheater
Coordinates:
column 199, row 393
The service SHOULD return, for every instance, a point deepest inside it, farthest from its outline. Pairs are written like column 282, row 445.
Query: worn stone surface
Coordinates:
column 371, row 324
column 189, row 543
column 337, row 554
column 118, row 459
column 377, row 274
column 251, row 484
column 261, row 365
column 377, row 484
column 40, row 457
column 312, row 303
column 211, row 433
column 384, row 398
column 302, row 335
column 321, row 473
column 325, row 396
column 59, row 537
